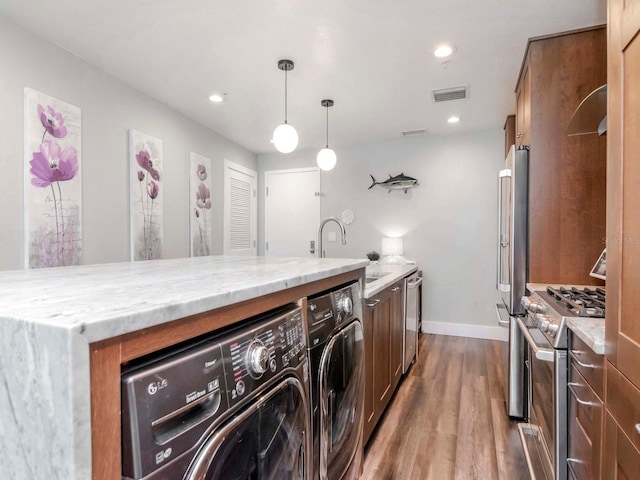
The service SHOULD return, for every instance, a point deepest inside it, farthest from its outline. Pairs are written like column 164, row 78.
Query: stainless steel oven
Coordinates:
column 544, row 437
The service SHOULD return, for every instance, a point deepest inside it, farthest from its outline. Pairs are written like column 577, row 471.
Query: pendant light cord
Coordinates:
column 327, row 126
column 285, row 96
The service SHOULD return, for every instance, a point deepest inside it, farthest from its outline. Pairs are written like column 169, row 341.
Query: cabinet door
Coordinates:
column 367, row 327
column 397, row 332
column 623, row 194
column 381, row 352
column 621, row 459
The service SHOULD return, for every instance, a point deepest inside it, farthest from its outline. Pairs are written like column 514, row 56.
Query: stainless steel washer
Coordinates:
column 232, row 406
column 336, row 353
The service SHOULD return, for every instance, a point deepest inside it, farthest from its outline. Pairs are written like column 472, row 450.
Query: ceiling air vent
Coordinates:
column 448, row 94
column 413, row 133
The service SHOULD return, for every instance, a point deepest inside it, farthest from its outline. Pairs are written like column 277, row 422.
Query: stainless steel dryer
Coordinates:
column 227, row 407
column 336, row 353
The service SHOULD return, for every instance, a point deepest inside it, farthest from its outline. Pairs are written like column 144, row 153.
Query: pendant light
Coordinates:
column 326, row 158
column 285, row 137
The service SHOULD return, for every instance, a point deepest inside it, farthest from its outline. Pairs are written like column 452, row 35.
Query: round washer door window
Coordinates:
column 266, row 441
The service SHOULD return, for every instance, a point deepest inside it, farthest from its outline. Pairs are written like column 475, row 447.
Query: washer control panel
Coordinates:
column 259, row 354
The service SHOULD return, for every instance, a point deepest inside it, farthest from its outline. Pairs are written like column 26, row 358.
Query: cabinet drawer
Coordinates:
column 585, row 427
column 588, row 363
column 623, row 401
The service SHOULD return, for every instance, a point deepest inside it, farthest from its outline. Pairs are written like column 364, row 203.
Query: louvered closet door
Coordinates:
column 240, row 210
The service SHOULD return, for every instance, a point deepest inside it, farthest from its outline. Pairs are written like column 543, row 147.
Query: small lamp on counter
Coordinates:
column 392, row 250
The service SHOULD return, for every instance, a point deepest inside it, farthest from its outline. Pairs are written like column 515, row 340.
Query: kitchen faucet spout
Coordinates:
column 343, row 232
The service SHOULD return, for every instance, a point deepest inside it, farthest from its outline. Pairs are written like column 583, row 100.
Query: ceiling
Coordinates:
column 372, row 57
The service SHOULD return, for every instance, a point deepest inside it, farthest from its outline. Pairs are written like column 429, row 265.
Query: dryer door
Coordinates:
column 266, row 441
column 342, row 400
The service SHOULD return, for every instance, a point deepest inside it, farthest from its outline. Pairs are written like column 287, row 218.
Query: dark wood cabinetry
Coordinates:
column 567, row 175
column 383, row 352
column 621, row 457
column 586, row 410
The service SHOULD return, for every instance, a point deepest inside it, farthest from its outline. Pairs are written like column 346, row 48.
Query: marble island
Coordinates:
column 60, row 350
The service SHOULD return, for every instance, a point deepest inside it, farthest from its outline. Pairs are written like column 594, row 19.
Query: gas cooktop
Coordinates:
column 581, row 301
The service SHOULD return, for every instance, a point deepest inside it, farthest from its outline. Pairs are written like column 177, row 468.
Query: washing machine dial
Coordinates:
column 345, row 304
column 257, row 358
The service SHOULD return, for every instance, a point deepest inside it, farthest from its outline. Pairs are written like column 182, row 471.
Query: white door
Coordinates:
column 292, row 211
column 240, row 210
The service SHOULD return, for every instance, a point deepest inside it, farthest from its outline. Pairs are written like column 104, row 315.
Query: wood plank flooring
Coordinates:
column 448, row 418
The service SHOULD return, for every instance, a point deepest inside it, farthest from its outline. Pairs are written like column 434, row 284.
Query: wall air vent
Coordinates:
column 448, row 94
column 414, row 133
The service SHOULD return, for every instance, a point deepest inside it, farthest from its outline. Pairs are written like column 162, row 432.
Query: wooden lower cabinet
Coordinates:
column 382, row 326
column 585, row 410
column 621, row 458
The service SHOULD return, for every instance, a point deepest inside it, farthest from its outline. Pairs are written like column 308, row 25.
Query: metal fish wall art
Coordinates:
column 399, row 182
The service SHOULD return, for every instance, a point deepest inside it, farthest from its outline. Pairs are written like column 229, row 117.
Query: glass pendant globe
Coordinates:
column 285, row 138
column 326, row 159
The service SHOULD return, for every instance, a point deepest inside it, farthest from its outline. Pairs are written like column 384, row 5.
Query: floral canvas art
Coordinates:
column 145, row 162
column 200, row 205
column 53, row 217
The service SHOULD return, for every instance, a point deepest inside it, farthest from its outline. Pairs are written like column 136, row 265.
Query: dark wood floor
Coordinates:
column 447, row 419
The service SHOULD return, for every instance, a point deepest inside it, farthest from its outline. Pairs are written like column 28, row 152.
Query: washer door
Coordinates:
column 266, row 441
column 342, row 395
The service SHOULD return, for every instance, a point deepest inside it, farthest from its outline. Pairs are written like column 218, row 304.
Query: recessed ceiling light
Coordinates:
column 443, row 51
column 216, row 98
column 453, row 119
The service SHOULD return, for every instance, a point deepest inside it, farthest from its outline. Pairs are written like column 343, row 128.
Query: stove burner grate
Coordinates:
column 584, row 302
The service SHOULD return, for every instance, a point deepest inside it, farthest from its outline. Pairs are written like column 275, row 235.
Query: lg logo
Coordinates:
column 153, row 387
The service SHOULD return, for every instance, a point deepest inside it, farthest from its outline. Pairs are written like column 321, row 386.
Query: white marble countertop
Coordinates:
column 386, row 275
column 104, row 301
column 49, row 318
column 590, row 331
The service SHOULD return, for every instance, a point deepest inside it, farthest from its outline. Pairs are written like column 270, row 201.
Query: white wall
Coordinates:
column 448, row 222
column 109, row 108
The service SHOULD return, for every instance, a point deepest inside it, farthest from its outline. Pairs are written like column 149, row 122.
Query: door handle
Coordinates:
column 375, row 302
column 575, row 359
column 572, row 386
column 544, row 354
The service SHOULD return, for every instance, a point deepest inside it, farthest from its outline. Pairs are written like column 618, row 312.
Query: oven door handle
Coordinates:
column 544, row 354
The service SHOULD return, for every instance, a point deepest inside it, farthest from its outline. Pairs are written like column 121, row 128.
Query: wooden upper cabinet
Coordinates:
column 567, row 175
column 523, row 105
column 509, row 133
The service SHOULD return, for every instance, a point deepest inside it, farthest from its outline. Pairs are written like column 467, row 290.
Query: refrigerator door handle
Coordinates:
column 501, row 321
column 503, row 239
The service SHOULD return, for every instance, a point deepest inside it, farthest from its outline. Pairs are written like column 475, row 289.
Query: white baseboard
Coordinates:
column 466, row 330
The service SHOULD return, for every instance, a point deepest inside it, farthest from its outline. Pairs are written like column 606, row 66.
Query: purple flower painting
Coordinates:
column 200, row 217
column 53, row 187
column 145, row 159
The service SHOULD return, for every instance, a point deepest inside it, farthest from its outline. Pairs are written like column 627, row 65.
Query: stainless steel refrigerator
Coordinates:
column 512, row 272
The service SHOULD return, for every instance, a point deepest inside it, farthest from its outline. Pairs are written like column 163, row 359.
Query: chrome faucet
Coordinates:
column 322, row 224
